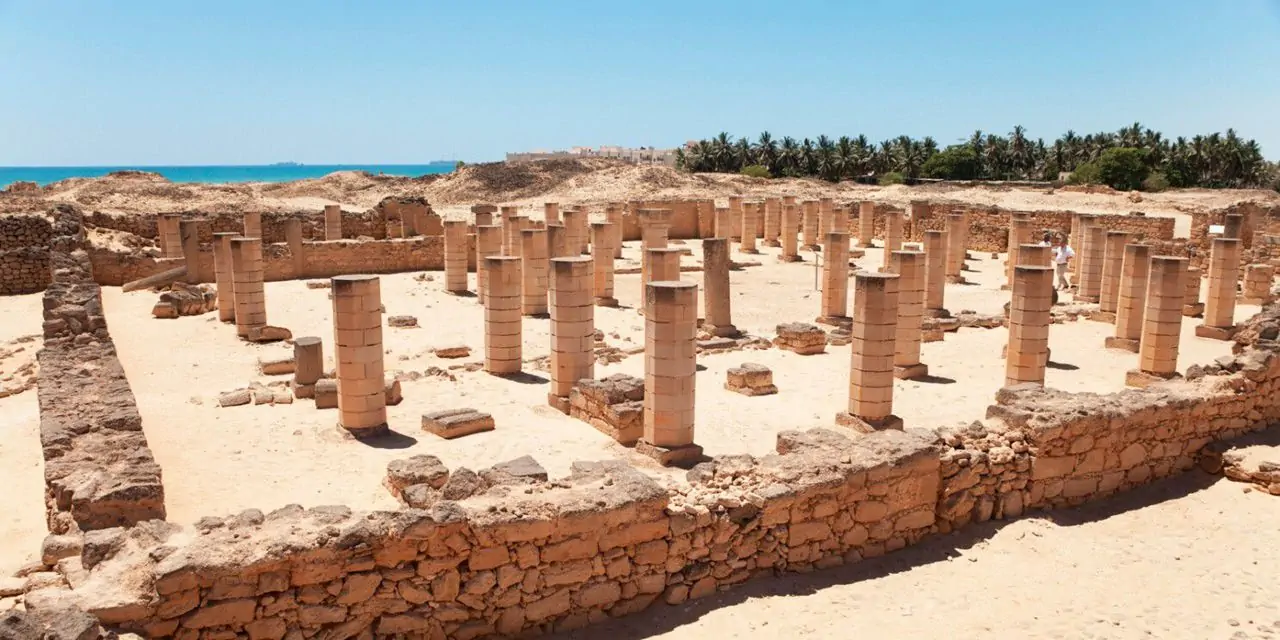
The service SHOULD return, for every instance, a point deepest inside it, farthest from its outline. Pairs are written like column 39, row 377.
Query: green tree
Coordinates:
column 1123, row 168
column 956, row 162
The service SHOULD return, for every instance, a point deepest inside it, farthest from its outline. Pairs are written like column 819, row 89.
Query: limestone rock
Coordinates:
column 452, row 351
column 462, row 484
column 402, row 321
column 235, row 398
column 268, row 333
column 522, row 470
column 419, row 469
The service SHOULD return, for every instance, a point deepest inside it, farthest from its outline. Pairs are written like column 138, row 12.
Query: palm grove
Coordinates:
column 1132, row 158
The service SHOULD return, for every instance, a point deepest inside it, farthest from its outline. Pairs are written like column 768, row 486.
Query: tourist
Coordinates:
column 1062, row 255
column 1047, row 239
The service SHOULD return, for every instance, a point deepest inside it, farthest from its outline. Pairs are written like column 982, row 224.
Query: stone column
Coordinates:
column 772, row 222
column 892, row 231
column 1220, row 304
column 502, row 346
column 551, row 212
column 488, row 243
column 614, row 215
column 1131, row 300
column 790, row 220
column 664, row 264
column 1032, row 255
column 873, row 334
column 716, row 288
column 1112, row 264
column 956, row 238
column 308, row 365
column 572, row 327
column 534, row 272
column 909, row 265
column 558, row 241
column 602, row 264
column 723, row 227
column 190, row 232
column 826, row 219
column 222, row 277
column 750, row 222
column 253, row 224
column 866, row 224
column 835, row 280
column 584, row 229
column 735, row 218
column 293, row 235
column 1028, row 350
column 332, row 222
column 809, row 220
column 1192, row 307
column 1161, row 323
column 246, row 287
column 1019, row 234
column 1256, row 288
column 653, row 235
column 484, row 214
column 706, row 212
column 935, row 274
column 357, row 340
column 572, row 224
column 670, row 327
column 1091, row 259
column 1232, row 226
column 168, row 237
column 512, row 244
column 455, row 256
column 1078, row 223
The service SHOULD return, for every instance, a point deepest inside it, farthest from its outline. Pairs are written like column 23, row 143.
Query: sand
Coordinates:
column 22, row 524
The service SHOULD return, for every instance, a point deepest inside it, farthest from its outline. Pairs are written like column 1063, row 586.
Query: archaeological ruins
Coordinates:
column 529, row 417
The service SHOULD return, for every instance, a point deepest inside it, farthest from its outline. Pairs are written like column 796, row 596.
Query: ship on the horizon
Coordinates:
column 286, row 164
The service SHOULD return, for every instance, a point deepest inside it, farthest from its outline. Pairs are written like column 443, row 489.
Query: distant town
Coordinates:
column 637, row 155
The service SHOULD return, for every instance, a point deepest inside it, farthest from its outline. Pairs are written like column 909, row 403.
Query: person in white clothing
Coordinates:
column 1062, row 255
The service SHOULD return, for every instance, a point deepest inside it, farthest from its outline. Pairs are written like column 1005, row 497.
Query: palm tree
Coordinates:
column 789, row 157
column 767, row 152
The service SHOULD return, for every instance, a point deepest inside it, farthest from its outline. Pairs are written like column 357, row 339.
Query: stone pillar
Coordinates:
column 750, row 222
column 222, row 277
column 455, row 256
column 1256, row 288
column 716, row 288
column 534, row 272
column 909, row 265
column 1029, row 318
column 484, row 214
column 332, row 222
column 723, row 228
column 1232, row 226
column 935, row 274
column 308, row 365
column 790, row 220
column 866, row 224
column 1091, row 258
column 614, row 215
column 1032, row 255
column 826, row 219
column 772, row 222
column 246, row 287
column 551, row 212
column 253, row 224
column 558, row 241
column 572, row 327
column 1162, row 322
column 873, row 334
column 1019, row 234
column 488, row 243
column 1192, row 307
column 1131, row 296
column 892, row 231
column 670, row 327
column 573, row 219
column 955, row 248
column 512, row 243
column 293, row 235
column 809, row 220
column 502, row 346
column 835, row 280
column 653, row 235
column 706, row 211
column 190, row 232
column 168, row 237
column 602, row 264
column 735, row 218
column 1112, row 264
column 1220, row 304
column 357, row 340
column 1078, row 223
column 584, row 229
column 664, row 264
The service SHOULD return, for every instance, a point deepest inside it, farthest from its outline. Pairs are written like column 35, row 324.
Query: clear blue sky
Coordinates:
column 232, row 82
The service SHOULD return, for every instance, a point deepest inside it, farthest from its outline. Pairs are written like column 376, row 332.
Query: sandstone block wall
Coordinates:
column 989, row 226
column 684, row 218
column 371, row 223
column 24, row 254
column 99, row 471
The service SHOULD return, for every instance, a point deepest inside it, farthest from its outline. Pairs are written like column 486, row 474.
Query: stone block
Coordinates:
column 455, row 423
column 802, row 338
column 326, row 394
column 268, row 333
column 402, row 321
column 888, row 423
column 750, row 379
column 276, row 366
column 683, row 456
column 452, row 351
column 1215, row 333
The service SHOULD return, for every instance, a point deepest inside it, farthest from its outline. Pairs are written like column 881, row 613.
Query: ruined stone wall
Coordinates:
column 684, row 219
column 24, row 253
column 99, row 471
column 1259, row 223
column 371, row 224
column 989, row 226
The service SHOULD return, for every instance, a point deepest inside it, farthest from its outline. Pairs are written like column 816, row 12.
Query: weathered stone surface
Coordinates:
column 419, row 469
column 800, row 337
column 456, row 423
column 402, row 321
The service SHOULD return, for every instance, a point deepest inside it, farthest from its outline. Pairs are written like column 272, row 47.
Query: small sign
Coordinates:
column 1217, row 229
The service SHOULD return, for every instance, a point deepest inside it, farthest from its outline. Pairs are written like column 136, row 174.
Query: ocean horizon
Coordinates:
column 208, row 174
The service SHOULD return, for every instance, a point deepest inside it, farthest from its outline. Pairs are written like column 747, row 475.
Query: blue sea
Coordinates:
column 221, row 173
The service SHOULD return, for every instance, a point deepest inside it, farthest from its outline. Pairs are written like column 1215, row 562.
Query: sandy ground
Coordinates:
column 22, row 524
column 1190, row 558
column 286, row 454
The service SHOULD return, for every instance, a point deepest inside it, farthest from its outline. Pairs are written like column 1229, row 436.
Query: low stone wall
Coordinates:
column 989, row 226
column 99, row 471
column 684, row 218
column 371, row 224
column 24, row 253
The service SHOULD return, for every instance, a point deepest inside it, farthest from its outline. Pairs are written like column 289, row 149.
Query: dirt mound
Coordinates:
column 1088, row 188
column 128, row 174
column 503, row 182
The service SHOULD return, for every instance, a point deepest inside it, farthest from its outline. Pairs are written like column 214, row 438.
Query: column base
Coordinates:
column 956, row 280
column 771, row 243
column 787, row 258
column 1193, row 310
column 1124, row 344
column 866, row 245
column 857, row 253
column 1215, row 333
column 559, row 403
column 606, row 302
column 367, row 432
column 911, row 371
column 681, row 456
column 843, row 322
column 721, row 331
column 460, row 292
column 301, row 391
column 1103, row 316
column 1141, row 379
column 753, row 391
column 811, row 247
column 754, row 252
column 862, row 425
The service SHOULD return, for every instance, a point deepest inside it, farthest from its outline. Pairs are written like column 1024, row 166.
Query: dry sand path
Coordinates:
column 22, row 524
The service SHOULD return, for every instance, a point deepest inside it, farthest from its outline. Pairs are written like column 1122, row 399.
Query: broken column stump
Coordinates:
column 455, row 423
column 751, row 379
